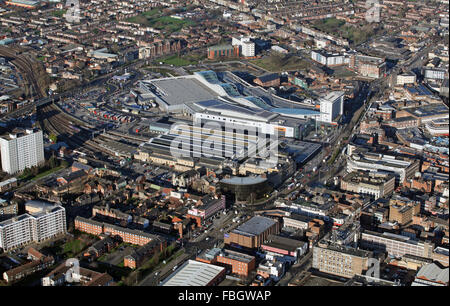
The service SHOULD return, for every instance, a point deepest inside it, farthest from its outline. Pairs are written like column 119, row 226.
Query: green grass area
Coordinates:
column 342, row 72
column 102, row 258
column 155, row 19
column 151, row 13
column 329, row 25
column 354, row 33
column 31, row 177
column 59, row 13
column 180, row 61
column 73, row 247
column 280, row 63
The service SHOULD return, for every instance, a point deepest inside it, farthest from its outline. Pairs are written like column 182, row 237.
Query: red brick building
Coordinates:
column 268, row 80
column 235, row 262
column 223, row 51
column 127, row 235
column 139, row 256
column 252, row 233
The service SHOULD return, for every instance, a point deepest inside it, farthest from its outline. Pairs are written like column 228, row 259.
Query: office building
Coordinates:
column 208, row 206
column 402, row 168
column 368, row 66
column 279, row 246
column 435, row 73
column 395, row 245
column 344, row 261
column 364, row 182
column 21, row 150
column 246, row 46
column 331, row 106
column 403, row 211
column 246, row 188
column 406, row 78
column 328, row 59
column 252, row 233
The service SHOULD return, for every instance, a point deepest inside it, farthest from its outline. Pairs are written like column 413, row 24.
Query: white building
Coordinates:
column 331, row 106
column 44, row 224
column 434, row 74
column 279, row 49
column 327, row 59
column 248, row 49
column 406, row 78
column 21, row 150
column 246, row 46
column 402, row 168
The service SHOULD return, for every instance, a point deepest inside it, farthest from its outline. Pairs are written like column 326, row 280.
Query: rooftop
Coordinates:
column 193, row 273
column 248, row 180
column 236, row 256
column 181, row 90
column 255, row 226
column 434, row 273
column 283, row 243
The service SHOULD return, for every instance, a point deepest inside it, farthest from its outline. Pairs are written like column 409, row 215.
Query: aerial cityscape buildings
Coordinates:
column 224, row 143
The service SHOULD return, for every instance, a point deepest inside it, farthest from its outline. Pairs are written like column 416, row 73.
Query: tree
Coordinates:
column 53, row 138
column 53, row 162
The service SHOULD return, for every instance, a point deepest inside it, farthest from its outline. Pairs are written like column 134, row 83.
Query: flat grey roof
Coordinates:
column 255, row 226
column 248, row 180
column 284, row 243
column 182, row 90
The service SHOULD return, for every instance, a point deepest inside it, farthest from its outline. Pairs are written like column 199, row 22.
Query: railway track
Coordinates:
column 54, row 121
column 25, row 65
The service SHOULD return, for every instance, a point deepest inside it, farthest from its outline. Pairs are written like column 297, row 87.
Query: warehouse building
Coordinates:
column 195, row 273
